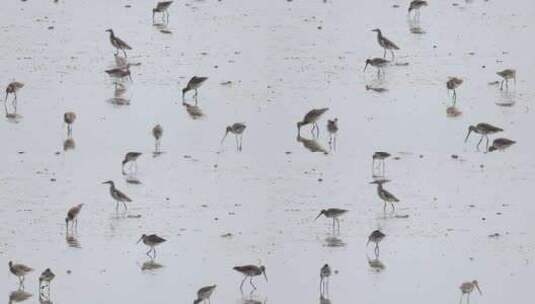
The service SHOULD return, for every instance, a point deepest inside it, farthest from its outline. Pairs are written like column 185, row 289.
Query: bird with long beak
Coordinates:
column 385, row 43
column 194, row 84
column 312, row 117
column 151, row 240
column 506, row 75
column 378, row 63
column 376, row 237
column 334, row 214
column 72, row 216
column 384, row 195
column 237, row 129
column 130, row 157
column 467, row 288
column 118, row 196
column 250, row 271
column 483, row 129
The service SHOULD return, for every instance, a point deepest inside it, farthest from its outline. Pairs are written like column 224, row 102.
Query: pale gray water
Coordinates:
column 281, row 65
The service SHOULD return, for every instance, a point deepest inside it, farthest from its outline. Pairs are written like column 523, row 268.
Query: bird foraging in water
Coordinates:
column 333, row 213
column 204, row 294
column 72, row 216
column 385, row 43
column 312, row 117
column 416, row 5
column 161, row 8
column 386, row 196
column 131, row 158
column 118, row 196
column 325, row 273
column 452, row 84
column 332, row 128
column 194, row 84
column 118, row 43
column 483, row 129
column 378, row 63
column 379, row 156
column 237, row 129
column 376, row 237
column 157, row 132
column 250, row 271
column 501, row 144
column 20, row 271
column 45, row 278
column 69, row 118
column 120, row 73
column 506, row 75
column 151, row 240
column 13, row 88
column 467, row 288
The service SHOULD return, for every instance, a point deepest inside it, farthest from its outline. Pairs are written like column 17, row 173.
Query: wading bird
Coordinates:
column 506, row 75
column 118, row 196
column 333, row 213
column 386, row 196
column 483, row 129
column 501, row 144
column 376, row 237
column 131, row 158
column 194, row 84
column 157, row 132
column 385, row 43
column 118, row 43
column 415, row 6
column 161, row 8
column 452, row 84
column 69, row 118
column 467, row 288
column 13, row 88
column 72, row 216
column 204, row 294
column 332, row 128
column 325, row 273
column 237, row 129
column 380, row 157
column 151, row 240
column 20, row 271
column 250, row 271
column 378, row 63
column 312, row 117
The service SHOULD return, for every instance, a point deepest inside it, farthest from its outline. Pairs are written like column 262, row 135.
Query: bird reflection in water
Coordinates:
column 132, row 179
column 44, row 299
column 324, row 300
column 118, row 95
column 193, row 110
column 151, row 265
column 453, row 112
column 311, row 144
column 375, row 264
column 69, row 144
column 72, row 240
column 506, row 99
column 18, row 296
column 334, row 241
column 252, row 300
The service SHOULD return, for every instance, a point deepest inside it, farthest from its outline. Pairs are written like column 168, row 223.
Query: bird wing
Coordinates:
column 390, row 44
column 122, row 196
column 123, row 44
column 390, row 196
column 163, row 5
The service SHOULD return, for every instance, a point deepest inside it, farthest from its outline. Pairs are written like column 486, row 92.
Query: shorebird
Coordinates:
column 332, row 128
column 120, row 73
column 325, row 273
column 72, row 216
column 20, row 271
column 483, row 129
column 467, row 288
column 118, row 196
column 416, row 5
column 69, row 118
column 46, row 277
column 204, row 294
column 385, row 43
column 151, row 240
column 13, row 88
column 452, row 84
column 379, row 156
column 250, row 271
column 311, row 118
column 333, row 213
column 379, row 63
column 501, row 144
column 386, row 196
column 157, row 132
column 236, row 129
column 506, row 75
column 376, row 237
column 131, row 158
column 194, row 84
column 118, row 43
column 162, row 7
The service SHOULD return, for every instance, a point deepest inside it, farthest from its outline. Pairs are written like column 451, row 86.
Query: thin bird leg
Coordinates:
column 454, row 96
column 393, row 207
column 76, row 224
column 153, row 252
column 116, row 206
column 241, row 142
column 237, row 143
column 384, row 207
column 334, row 141
column 317, row 129
column 153, row 17
column 373, row 167
column 384, row 167
column 461, row 300
column 384, row 54
column 487, row 145
column 468, row 298
column 506, row 83
column 125, row 207
column 391, row 51
column 148, row 253
column 376, row 249
column 243, row 281
column 378, row 73
column 480, row 141
column 251, row 282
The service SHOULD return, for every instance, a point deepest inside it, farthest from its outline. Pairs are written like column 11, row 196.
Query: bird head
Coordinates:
column 476, row 284
column 108, row 182
column 368, row 61
column 184, row 91
column 470, row 129
column 299, row 125
column 376, row 30
column 321, row 212
column 143, row 236
column 492, row 148
column 227, row 130
column 109, row 31
column 10, row 263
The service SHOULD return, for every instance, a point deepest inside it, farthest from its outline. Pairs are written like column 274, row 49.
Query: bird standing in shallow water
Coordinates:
column 376, row 237
column 118, row 43
column 484, row 129
column 250, row 271
column 151, row 240
column 118, row 196
column 452, row 84
column 379, row 63
column 385, row 43
column 69, row 118
column 161, row 8
column 501, row 144
column 311, row 118
column 194, row 84
column 204, row 294
column 13, row 88
column 386, row 196
column 131, row 158
column 332, row 128
column 333, row 213
column 20, row 271
column 506, row 75
column 325, row 273
column 46, row 277
column 72, row 216
column 415, row 6
column 237, row 129
column 379, row 156
column 157, row 132
column 467, row 288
